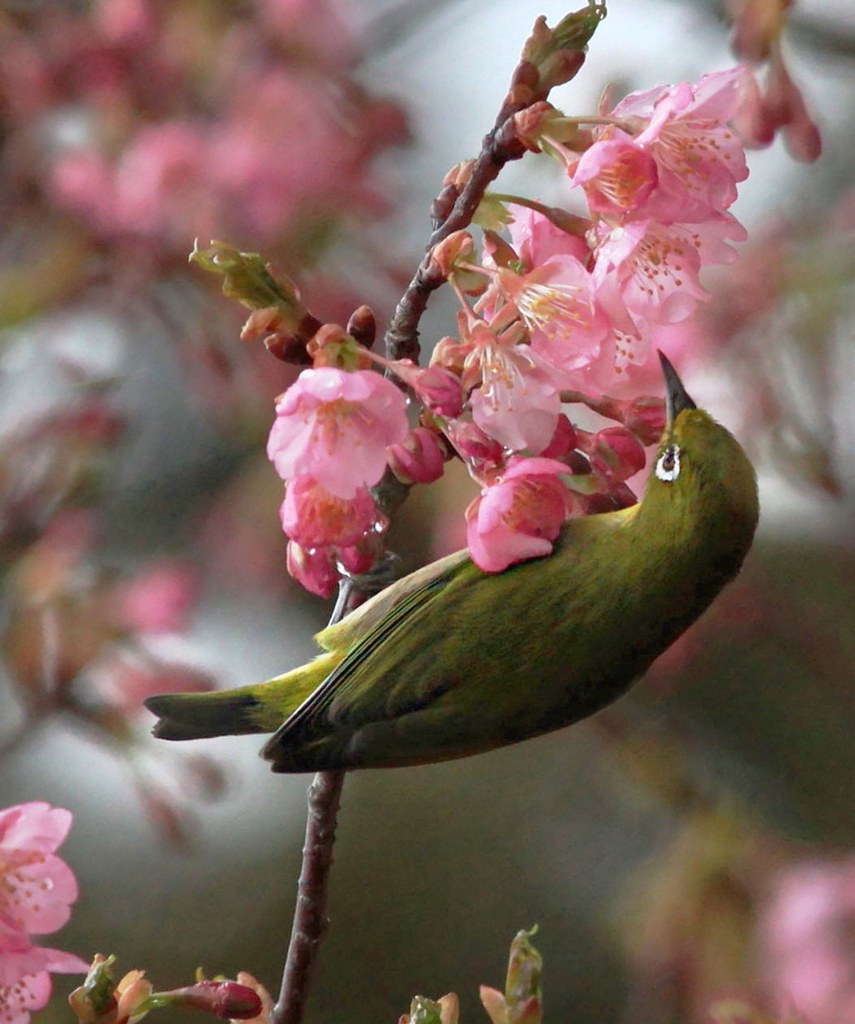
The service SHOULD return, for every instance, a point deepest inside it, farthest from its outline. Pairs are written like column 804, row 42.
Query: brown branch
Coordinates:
column 310, row 920
column 402, row 335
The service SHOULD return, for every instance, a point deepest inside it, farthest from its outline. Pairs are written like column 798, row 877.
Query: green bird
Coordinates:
column 451, row 661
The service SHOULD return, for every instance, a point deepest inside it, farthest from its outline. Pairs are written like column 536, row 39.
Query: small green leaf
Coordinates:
column 425, row 1011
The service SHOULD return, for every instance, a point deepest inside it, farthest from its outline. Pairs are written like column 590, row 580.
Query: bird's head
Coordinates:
column 698, row 460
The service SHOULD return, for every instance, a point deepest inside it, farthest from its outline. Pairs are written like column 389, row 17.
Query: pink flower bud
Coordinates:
column 226, row 999
column 562, row 441
column 358, row 558
column 478, row 450
column 419, row 459
column 313, row 569
column 615, row 453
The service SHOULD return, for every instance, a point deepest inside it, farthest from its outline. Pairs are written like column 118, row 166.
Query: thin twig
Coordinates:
column 310, row 920
column 498, row 148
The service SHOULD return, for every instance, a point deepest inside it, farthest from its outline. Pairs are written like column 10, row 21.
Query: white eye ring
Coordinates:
column 668, row 464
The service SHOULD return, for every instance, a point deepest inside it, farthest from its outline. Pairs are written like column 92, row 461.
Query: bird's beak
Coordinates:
column 676, row 396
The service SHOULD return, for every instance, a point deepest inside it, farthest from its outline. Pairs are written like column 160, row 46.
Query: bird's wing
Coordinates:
column 394, row 600
column 387, row 618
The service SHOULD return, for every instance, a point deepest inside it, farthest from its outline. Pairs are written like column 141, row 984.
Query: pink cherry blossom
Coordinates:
column 805, row 940
column 25, row 984
column 537, row 239
column 312, row 568
column 517, row 399
column 334, row 426
column 37, row 886
column 315, row 517
column 557, row 300
column 651, row 270
column 419, row 459
column 519, row 516
column 685, row 129
column 616, row 173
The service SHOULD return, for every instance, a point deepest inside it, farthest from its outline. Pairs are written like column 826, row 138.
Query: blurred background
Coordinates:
column 695, row 843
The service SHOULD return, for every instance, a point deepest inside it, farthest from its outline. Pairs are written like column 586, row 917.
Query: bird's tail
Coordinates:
column 249, row 709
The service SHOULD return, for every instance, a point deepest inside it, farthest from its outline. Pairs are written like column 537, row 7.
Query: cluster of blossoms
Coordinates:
column 568, row 309
column 140, row 136
column 36, row 890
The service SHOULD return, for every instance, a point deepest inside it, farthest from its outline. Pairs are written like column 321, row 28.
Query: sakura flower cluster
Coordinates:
column 36, row 891
column 567, row 309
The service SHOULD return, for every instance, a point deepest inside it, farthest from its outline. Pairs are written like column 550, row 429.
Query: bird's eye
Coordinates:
column 668, row 464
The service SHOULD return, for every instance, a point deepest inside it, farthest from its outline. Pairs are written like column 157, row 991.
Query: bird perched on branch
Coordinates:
column 451, row 661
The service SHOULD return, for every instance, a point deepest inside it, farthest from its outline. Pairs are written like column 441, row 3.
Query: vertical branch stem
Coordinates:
column 310, row 920
column 310, row 913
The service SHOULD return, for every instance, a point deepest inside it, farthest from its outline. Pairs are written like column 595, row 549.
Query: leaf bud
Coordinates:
column 454, row 258
column 558, row 53
column 522, row 986
column 362, row 326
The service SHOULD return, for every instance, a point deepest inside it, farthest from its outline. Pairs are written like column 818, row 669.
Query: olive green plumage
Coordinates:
column 451, row 661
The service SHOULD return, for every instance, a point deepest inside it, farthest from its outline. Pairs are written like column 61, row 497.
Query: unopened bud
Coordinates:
column 494, row 1003
column 313, row 569
column 756, row 26
column 563, row 439
column 522, row 987
column 362, row 326
column 93, row 1002
column 558, row 53
column 227, row 999
column 454, row 258
column 423, row 1011
column 333, row 346
column 419, row 459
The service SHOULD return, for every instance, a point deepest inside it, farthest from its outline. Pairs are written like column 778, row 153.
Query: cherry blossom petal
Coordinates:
column 334, row 426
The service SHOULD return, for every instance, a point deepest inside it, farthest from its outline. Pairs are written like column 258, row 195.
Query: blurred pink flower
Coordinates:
column 121, row 682
column 158, row 598
column 806, row 940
